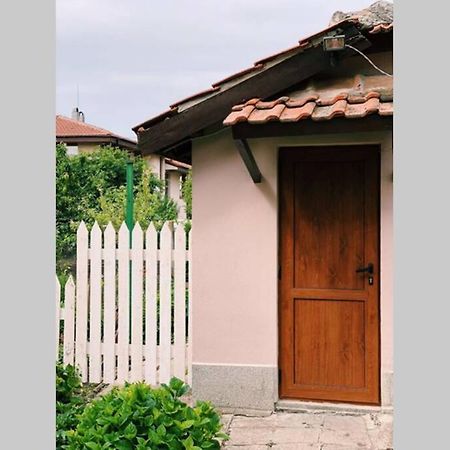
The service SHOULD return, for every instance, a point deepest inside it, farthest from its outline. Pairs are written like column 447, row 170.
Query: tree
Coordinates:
column 91, row 186
column 186, row 192
column 150, row 204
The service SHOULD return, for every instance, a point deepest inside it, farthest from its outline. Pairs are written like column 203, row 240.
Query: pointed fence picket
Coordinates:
column 69, row 322
column 180, row 303
column 82, row 301
column 95, row 305
column 151, row 309
column 137, row 271
column 123, row 331
column 109, row 305
column 165, row 304
column 128, row 316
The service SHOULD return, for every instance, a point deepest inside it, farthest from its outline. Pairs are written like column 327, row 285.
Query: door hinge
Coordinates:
column 279, row 375
column 279, row 272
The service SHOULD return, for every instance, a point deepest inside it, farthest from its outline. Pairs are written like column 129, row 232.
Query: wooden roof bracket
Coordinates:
column 249, row 160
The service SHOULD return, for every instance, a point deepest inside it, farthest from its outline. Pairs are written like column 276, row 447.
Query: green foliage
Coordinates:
column 111, row 207
column 68, row 382
column 186, row 192
column 91, row 186
column 150, row 204
column 138, row 417
column 80, row 182
column 69, row 402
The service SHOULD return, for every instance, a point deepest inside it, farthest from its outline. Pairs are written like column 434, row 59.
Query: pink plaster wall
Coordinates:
column 234, row 256
column 235, row 241
column 235, row 245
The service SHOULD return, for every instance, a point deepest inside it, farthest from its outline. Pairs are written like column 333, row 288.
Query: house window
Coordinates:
column 72, row 150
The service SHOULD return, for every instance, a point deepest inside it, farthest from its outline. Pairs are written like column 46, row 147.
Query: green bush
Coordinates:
column 186, row 192
column 69, row 402
column 137, row 417
column 92, row 186
column 80, row 181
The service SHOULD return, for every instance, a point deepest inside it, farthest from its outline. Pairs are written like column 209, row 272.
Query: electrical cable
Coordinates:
column 368, row 59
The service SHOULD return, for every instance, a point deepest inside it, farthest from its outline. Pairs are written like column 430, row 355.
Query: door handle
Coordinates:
column 368, row 269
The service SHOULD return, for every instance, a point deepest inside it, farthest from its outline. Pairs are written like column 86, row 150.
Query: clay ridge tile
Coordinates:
column 284, row 113
column 382, row 28
column 271, row 104
column 266, row 115
column 239, row 116
column 297, row 113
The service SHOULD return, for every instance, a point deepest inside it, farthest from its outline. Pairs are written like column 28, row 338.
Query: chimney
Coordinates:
column 77, row 115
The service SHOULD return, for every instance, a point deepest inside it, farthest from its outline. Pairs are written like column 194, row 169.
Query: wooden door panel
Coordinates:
column 329, row 313
column 329, row 232
column 329, row 346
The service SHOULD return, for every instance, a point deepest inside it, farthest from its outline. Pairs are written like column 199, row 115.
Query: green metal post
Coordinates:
column 129, row 221
column 130, row 197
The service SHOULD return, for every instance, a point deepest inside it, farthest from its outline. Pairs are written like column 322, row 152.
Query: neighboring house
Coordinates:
column 81, row 137
column 292, row 223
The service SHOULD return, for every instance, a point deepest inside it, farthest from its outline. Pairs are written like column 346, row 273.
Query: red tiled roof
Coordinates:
column 70, row 127
column 353, row 97
column 218, row 87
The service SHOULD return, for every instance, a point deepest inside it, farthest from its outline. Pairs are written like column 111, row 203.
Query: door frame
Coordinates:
column 384, row 140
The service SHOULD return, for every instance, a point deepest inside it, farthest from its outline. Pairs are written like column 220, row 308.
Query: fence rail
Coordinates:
column 128, row 315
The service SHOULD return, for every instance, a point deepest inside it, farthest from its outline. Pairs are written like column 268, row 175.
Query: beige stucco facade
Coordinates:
column 87, row 148
column 235, row 260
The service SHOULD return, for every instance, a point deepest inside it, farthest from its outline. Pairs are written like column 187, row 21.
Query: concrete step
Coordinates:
column 326, row 407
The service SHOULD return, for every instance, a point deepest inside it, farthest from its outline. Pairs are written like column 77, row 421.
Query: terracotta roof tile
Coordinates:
column 70, row 127
column 386, row 109
column 303, row 44
column 327, row 100
column 353, row 97
column 297, row 113
column 328, row 112
column 265, row 115
column 297, row 102
column 242, row 114
column 382, row 28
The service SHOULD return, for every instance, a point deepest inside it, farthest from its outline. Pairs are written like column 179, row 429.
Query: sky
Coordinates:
column 131, row 59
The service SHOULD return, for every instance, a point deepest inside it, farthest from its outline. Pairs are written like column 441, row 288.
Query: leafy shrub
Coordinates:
column 92, row 186
column 69, row 402
column 137, row 417
column 80, row 181
column 186, row 192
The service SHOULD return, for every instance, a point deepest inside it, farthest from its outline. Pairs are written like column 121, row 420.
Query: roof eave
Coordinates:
column 264, row 83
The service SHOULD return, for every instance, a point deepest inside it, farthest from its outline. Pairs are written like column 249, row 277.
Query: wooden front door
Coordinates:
column 329, row 273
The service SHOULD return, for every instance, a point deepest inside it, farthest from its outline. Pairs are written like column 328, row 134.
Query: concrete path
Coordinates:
column 309, row 431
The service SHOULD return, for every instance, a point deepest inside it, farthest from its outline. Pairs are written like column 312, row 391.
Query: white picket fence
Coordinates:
column 116, row 332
